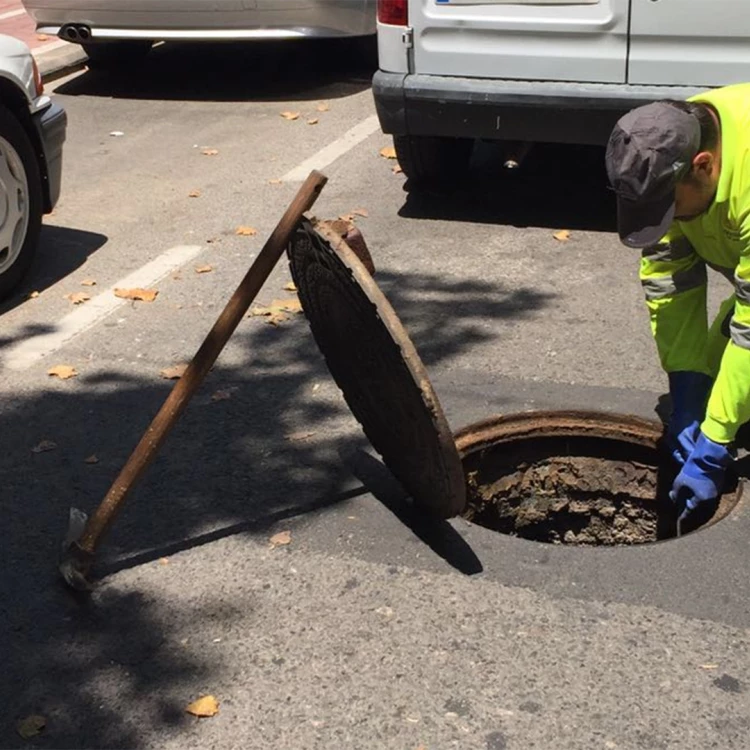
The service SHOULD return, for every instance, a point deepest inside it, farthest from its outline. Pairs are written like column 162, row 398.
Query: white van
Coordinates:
column 452, row 71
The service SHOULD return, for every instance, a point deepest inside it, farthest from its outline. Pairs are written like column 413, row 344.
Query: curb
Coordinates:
column 57, row 59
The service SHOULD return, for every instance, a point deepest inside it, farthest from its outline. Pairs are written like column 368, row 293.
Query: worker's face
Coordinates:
column 695, row 193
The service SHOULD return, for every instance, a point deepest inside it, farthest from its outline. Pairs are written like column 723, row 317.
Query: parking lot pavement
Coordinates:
column 366, row 630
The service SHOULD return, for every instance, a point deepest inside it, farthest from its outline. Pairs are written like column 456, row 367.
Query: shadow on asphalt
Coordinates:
column 269, row 448
column 439, row 536
column 295, row 70
column 559, row 186
column 60, row 252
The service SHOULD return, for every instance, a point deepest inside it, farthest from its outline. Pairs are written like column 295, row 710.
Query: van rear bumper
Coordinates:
column 490, row 109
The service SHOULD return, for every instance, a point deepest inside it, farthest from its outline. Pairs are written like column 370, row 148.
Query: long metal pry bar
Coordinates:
column 85, row 534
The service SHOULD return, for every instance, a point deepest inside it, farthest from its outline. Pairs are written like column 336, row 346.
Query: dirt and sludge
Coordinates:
column 578, row 500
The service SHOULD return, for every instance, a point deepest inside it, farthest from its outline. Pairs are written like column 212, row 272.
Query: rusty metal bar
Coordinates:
column 80, row 545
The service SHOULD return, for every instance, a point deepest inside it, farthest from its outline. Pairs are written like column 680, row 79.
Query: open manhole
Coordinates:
column 578, row 478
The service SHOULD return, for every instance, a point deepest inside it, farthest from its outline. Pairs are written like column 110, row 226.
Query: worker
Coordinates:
column 681, row 173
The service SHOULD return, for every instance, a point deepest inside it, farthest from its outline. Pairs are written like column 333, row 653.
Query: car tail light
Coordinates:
column 37, row 79
column 393, row 12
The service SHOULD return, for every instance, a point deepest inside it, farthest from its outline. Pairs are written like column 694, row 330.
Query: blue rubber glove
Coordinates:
column 689, row 392
column 696, row 489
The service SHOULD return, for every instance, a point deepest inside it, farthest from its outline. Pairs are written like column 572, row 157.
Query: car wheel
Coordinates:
column 20, row 201
column 430, row 161
column 113, row 55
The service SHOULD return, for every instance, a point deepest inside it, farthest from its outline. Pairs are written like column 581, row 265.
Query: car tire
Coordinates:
column 21, row 205
column 430, row 161
column 114, row 55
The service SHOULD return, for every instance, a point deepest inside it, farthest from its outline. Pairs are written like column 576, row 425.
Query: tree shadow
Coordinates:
column 557, row 186
column 291, row 70
column 60, row 252
column 267, row 449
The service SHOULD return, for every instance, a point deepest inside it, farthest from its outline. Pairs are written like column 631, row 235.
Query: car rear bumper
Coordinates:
column 491, row 109
column 51, row 124
column 290, row 19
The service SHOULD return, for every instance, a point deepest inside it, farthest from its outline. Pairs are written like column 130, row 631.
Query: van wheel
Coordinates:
column 430, row 161
column 113, row 55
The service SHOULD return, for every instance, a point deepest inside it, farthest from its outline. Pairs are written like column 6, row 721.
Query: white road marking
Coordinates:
column 334, row 150
column 12, row 14
column 29, row 351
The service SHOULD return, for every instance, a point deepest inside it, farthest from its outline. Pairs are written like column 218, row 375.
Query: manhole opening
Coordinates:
column 583, row 491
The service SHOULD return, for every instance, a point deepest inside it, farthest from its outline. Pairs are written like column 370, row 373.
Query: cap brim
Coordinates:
column 640, row 225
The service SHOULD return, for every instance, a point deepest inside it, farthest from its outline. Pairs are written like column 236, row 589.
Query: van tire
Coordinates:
column 430, row 161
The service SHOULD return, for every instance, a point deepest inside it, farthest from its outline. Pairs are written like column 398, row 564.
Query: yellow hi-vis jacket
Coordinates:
column 673, row 274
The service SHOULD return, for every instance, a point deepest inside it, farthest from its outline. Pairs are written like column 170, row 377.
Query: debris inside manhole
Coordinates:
column 572, row 500
column 584, row 489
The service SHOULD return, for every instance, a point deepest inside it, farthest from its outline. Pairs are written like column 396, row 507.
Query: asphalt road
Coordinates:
column 372, row 629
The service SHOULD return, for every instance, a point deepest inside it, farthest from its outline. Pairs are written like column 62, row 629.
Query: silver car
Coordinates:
column 32, row 133
column 116, row 31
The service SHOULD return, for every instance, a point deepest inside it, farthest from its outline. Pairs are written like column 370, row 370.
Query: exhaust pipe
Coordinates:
column 75, row 33
column 69, row 33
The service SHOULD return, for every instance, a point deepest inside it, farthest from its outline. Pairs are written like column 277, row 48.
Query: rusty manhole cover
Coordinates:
column 578, row 478
column 377, row 368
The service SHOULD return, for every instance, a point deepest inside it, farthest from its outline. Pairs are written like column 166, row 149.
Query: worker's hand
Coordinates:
column 696, row 489
column 689, row 392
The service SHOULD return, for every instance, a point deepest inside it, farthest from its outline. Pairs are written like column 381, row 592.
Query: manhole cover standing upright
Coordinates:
column 377, row 368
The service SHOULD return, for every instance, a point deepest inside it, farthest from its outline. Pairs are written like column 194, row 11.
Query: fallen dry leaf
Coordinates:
column 290, row 287
column 276, row 182
column 292, row 305
column 194, row 194
column 144, row 295
column 361, row 212
column 204, row 707
column 313, row 121
column 88, row 282
column 204, row 269
column 31, row 726
column 278, row 311
column 92, row 459
column 78, row 298
column 388, row 152
column 562, row 236
column 280, row 539
column 44, row 446
column 323, row 107
column 397, row 169
column 210, row 151
column 32, row 295
column 221, row 395
column 175, row 372
column 63, row 372
column 290, row 115
column 246, row 231
column 296, row 436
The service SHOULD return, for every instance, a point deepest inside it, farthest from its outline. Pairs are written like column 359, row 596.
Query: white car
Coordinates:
column 114, row 32
column 32, row 133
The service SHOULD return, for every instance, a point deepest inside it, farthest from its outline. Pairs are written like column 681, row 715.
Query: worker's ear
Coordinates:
column 703, row 164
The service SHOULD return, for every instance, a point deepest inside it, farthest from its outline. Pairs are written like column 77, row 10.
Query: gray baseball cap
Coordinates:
column 650, row 150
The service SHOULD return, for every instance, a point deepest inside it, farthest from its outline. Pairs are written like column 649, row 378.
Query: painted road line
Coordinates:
column 334, row 150
column 29, row 351
column 12, row 14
